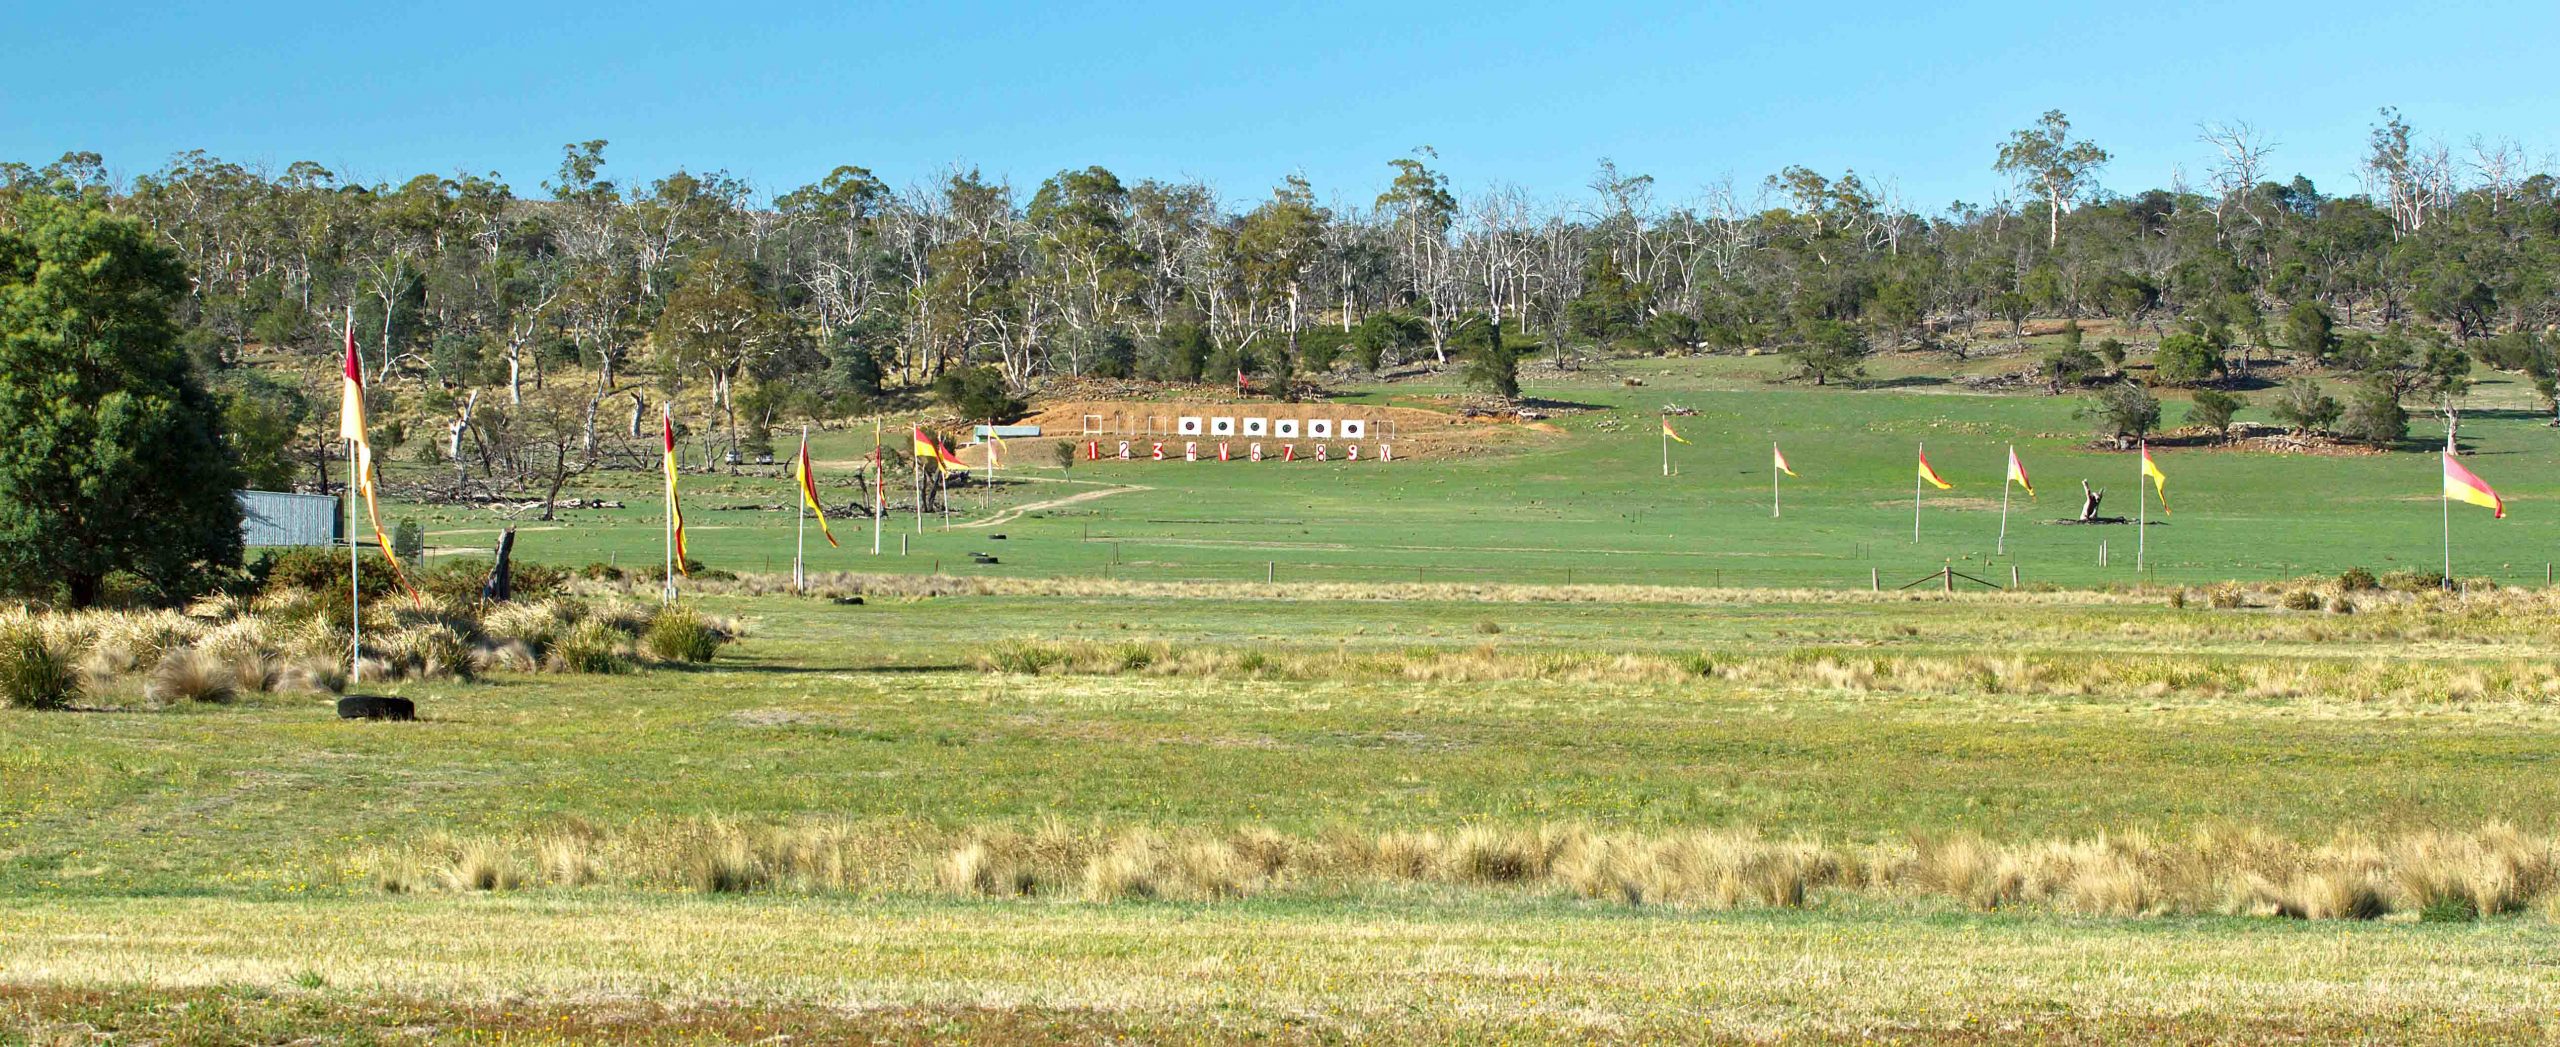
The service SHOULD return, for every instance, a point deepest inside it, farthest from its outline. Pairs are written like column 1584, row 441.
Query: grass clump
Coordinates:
column 2491, row 872
column 593, row 646
column 188, row 675
column 35, row 673
column 681, row 634
column 2302, row 600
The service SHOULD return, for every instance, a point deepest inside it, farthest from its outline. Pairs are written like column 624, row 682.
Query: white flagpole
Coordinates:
column 2005, row 478
column 1915, row 497
column 2445, row 506
column 1666, row 448
column 800, row 553
column 2142, row 512
column 1773, row 481
column 877, row 482
column 355, row 582
column 667, row 421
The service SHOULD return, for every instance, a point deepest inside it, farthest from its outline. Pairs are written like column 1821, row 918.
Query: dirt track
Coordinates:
column 1015, row 513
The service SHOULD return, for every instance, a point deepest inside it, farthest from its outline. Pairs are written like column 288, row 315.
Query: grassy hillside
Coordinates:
column 1589, row 504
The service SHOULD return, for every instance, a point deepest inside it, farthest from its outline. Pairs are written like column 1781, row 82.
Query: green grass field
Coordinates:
column 261, row 872
column 222, row 858
column 1589, row 504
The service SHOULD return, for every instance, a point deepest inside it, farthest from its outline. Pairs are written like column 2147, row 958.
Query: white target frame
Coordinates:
column 1222, row 427
column 1286, row 429
column 1320, row 428
column 1355, row 429
column 1257, row 427
column 1188, row 425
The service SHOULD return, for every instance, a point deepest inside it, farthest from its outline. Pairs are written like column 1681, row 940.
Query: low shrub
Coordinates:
column 2411, row 581
column 2358, row 580
column 2302, row 600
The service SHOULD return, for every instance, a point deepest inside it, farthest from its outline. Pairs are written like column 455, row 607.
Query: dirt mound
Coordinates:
column 1411, row 431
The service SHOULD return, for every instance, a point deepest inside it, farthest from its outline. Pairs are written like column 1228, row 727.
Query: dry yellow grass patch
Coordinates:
column 2492, row 871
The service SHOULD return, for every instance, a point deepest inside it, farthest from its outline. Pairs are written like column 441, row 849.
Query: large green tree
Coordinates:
column 115, row 460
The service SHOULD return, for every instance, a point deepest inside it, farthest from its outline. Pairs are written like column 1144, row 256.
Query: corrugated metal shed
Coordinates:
column 273, row 518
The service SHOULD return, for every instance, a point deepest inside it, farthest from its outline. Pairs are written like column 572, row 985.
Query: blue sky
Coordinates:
column 1241, row 95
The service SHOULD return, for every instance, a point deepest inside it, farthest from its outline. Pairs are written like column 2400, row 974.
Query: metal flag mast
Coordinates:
column 878, row 492
column 667, row 426
column 1773, row 480
column 800, row 550
column 355, row 486
column 1915, row 496
column 2007, row 476
column 2141, row 507
column 2445, row 505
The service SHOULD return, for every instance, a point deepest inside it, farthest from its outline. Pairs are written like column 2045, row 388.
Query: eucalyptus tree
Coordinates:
column 1276, row 246
column 1078, row 225
column 847, row 265
column 1420, row 211
column 2046, row 160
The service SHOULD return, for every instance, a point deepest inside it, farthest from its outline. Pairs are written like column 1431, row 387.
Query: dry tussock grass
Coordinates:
column 843, row 584
column 2492, row 871
column 1821, row 668
column 224, row 646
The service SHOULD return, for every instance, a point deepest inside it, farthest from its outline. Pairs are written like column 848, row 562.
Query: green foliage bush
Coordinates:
column 409, row 541
column 315, row 570
column 2188, row 358
column 978, row 393
column 2213, row 410
column 2302, row 600
column 2357, row 580
column 460, row 579
column 2375, row 416
column 2304, row 406
column 2122, row 411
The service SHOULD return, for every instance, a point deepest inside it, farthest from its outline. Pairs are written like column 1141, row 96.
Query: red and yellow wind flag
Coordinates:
column 2018, row 472
column 809, row 492
column 927, row 447
column 2159, row 480
column 351, row 429
column 1668, row 431
column 1779, row 458
column 2461, row 486
column 1931, row 475
column 675, row 511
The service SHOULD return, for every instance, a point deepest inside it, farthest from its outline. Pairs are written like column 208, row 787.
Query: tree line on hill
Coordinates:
column 819, row 298
column 848, row 294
